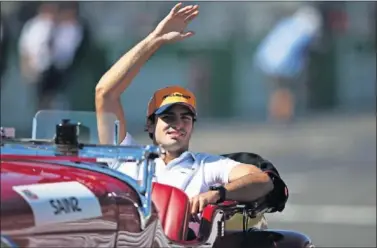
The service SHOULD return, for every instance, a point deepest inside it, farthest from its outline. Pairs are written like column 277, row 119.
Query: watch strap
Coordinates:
column 222, row 192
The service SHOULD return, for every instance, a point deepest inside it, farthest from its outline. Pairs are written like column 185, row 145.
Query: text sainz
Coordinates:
column 65, row 205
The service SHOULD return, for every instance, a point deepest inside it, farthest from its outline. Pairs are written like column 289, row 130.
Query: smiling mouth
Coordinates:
column 177, row 134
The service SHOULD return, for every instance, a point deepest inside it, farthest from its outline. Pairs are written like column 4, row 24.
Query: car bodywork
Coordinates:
column 52, row 196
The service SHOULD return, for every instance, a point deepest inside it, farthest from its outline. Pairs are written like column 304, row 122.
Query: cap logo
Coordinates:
column 176, row 94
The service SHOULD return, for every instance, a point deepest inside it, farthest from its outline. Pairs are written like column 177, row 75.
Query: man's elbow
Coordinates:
column 100, row 98
column 104, row 100
column 101, row 92
column 104, row 91
column 269, row 185
column 263, row 182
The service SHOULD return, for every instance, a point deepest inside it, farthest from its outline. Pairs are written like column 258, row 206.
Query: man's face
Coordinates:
column 173, row 128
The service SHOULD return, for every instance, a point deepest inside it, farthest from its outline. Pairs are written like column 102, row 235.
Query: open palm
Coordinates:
column 172, row 27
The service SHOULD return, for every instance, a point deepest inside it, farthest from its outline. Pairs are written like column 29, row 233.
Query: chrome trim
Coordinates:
column 34, row 128
column 116, row 132
column 7, row 242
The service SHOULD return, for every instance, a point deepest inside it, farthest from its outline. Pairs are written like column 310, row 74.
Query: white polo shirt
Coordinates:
column 191, row 172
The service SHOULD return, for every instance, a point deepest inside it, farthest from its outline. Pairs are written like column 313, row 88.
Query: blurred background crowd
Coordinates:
column 254, row 61
column 309, row 67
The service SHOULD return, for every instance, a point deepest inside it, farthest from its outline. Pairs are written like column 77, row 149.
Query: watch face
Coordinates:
column 212, row 187
column 221, row 191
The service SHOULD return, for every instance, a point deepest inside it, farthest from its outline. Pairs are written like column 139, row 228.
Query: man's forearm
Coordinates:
column 249, row 188
column 115, row 81
column 121, row 74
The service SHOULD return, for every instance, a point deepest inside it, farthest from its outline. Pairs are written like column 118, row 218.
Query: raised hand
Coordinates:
column 172, row 27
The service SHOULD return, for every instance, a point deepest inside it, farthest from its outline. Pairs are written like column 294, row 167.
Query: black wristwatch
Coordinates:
column 222, row 192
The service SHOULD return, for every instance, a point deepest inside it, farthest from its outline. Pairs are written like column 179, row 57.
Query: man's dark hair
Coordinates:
column 152, row 119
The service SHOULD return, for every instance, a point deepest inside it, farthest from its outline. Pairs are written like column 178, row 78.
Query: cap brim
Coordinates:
column 168, row 106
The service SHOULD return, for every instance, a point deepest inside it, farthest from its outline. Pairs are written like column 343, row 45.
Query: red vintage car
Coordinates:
column 60, row 192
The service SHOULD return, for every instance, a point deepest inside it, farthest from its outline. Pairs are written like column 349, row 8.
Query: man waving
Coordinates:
column 170, row 118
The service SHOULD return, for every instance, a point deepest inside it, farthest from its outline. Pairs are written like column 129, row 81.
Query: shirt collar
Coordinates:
column 187, row 155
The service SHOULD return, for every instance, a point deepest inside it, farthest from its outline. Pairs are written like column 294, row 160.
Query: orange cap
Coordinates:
column 163, row 98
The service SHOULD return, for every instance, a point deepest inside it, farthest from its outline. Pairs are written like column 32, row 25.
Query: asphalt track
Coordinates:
column 329, row 165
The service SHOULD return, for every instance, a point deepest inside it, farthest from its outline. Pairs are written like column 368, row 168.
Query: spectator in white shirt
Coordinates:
column 48, row 45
